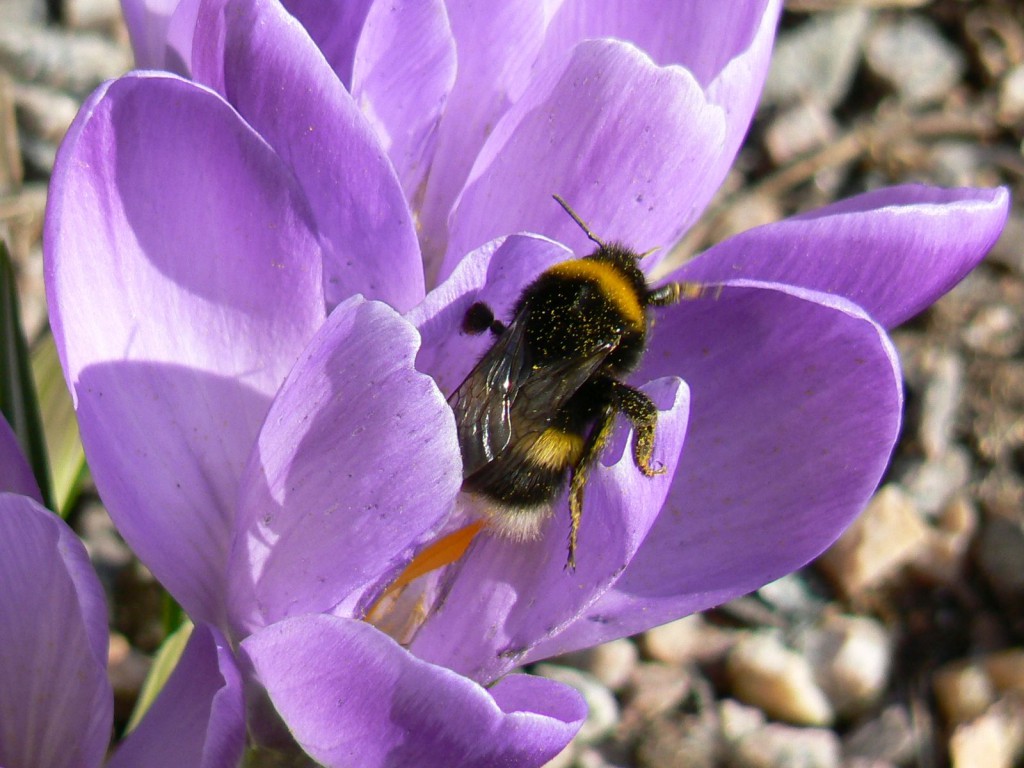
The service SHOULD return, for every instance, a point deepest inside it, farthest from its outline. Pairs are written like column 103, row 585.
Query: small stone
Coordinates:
column 932, row 484
column 940, row 401
column 993, row 740
column 655, row 689
column 852, row 658
column 738, row 720
column 690, row 741
column 43, row 112
column 1011, row 97
column 888, row 738
column 995, row 330
column 782, row 745
column 1006, row 670
column 766, row 674
column 1000, row 553
column 613, row 663
column 1007, row 250
column 106, row 548
column 951, row 540
column 592, row 758
column 957, row 162
column 791, row 597
column 690, row 639
column 74, row 62
column 602, row 708
column 40, row 155
column 888, row 535
column 23, row 11
column 126, row 667
column 817, row 60
column 801, row 129
column 963, row 690
column 92, row 14
column 912, row 57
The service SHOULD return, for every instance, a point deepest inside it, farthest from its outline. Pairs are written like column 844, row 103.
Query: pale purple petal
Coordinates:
column 55, row 698
column 352, row 696
column 147, row 22
column 198, row 719
column 510, row 49
column 893, row 251
column 627, row 143
column 264, row 63
column 335, row 26
column 161, row 199
column 161, row 33
column 404, row 70
column 795, row 407
column 497, row 44
column 725, row 44
column 702, row 35
column 15, row 473
column 357, row 463
column 506, row 597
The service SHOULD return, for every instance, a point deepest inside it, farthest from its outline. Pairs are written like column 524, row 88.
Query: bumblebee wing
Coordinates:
column 483, row 402
column 505, row 396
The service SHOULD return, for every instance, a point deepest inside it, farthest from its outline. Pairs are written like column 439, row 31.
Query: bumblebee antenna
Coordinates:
column 590, row 235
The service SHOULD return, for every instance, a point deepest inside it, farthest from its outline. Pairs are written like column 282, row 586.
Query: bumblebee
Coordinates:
column 539, row 406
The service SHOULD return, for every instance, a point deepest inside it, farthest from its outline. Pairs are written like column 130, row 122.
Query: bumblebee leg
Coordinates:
column 671, row 293
column 591, row 450
column 643, row 414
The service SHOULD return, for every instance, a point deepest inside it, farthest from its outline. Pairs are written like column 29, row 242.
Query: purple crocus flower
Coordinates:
column 56, row 701
column 55, row 695
column 278, row 449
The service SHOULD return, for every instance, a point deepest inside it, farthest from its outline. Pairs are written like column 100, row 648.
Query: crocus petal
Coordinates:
column 358, row 461
column 55, row 698
column 796, row 403
column 893, row 251
column 497, row 44
column 725, row 44
column 632, row 139
column 506, row 47
column 404, row 70
column 15, row 473
column 352, row 696
column 505, row 597
column 364, row 223
column 335, row 26
column 173, row 359
column 147, row 22
column 198, row 719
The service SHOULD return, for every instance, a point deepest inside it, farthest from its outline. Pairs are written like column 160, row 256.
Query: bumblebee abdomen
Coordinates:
column 531, row 473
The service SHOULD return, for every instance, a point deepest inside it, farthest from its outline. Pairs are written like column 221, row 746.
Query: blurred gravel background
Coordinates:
column 904, row 644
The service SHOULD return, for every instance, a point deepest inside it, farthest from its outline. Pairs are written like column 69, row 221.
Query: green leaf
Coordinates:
column 17, row 389
column 163, row 664
column 67, row 459
column 173, row 615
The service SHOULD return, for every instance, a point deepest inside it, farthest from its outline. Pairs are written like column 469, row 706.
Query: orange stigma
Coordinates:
column 442, row 552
